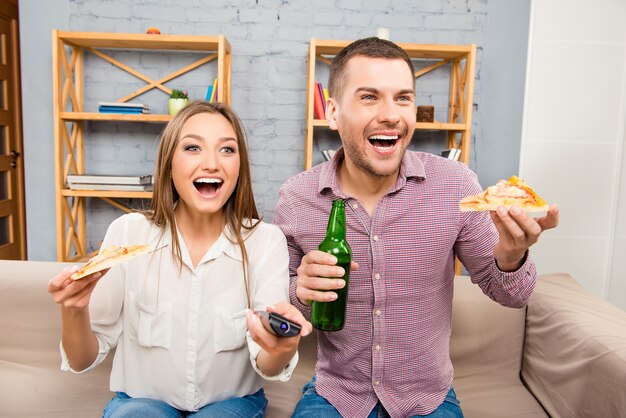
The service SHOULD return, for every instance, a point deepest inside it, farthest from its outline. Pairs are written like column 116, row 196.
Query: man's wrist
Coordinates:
column 512, row 263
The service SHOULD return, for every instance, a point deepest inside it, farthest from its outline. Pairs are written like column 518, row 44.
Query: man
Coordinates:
column 405, row 228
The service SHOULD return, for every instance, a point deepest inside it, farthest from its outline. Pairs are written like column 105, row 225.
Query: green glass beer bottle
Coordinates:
column 330, row 316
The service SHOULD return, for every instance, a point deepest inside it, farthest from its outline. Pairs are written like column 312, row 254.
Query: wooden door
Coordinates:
column 12, row 224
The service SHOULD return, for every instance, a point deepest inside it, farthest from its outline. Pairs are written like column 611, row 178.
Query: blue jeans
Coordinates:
column 313, row 405
column 122, row 405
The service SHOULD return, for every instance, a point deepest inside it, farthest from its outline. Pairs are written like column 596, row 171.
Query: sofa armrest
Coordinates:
column 575, row 350
column 31, row 382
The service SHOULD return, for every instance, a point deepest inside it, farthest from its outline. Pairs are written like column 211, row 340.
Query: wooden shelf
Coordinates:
column 415, row 51
column 114, row 117
column 460, row 58
column 422, row 126
column 122, row 194
column 141, row 41
column 71, row 127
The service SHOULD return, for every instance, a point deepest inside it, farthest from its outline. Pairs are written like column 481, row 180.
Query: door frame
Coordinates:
column 9, row 10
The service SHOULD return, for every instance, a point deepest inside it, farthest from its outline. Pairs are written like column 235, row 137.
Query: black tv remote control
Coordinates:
column 278, row 324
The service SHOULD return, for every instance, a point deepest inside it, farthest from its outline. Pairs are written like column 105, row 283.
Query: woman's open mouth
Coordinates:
column 208, row 186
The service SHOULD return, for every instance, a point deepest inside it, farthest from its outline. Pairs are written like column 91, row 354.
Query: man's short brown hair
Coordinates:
column 368, row 47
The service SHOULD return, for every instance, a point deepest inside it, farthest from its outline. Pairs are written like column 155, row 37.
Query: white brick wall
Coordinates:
column 270, row 40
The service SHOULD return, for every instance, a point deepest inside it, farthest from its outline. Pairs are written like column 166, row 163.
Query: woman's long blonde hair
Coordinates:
column 239, row 212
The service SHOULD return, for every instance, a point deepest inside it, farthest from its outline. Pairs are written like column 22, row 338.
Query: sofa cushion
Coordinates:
column 486, row 351
column 31, row 382
column 574, row 338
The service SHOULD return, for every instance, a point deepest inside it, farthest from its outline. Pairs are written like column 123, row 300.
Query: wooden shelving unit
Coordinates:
column 71, row 119
column 462, row 62
column 460, row 58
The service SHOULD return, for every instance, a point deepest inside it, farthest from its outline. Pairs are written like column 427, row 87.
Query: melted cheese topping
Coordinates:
column 504, row 189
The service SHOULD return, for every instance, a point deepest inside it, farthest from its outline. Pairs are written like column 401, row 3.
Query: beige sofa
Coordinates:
column 568, row 346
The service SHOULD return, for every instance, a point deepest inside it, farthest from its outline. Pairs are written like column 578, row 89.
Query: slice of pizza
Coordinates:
column 109, row 257
column 507, row 193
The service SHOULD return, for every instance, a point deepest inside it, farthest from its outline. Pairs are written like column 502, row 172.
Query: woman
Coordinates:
column 179, row 316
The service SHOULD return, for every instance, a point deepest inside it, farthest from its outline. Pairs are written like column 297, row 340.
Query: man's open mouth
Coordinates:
column 383, row 141
column 208, row 186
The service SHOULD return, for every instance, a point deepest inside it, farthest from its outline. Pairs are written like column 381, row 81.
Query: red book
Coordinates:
column 321, row 89
column 318, row 103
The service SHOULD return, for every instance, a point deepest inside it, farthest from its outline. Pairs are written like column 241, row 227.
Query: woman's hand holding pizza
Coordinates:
column 518, row 232
column 72, row 287
column 79, row 342
column 73, row 294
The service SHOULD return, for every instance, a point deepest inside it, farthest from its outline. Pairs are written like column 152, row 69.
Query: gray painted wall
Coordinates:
column 270, row 40
column 502, row 79
column 37, row 19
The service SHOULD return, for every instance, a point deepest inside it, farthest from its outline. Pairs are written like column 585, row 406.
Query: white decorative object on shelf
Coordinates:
column 382, row 33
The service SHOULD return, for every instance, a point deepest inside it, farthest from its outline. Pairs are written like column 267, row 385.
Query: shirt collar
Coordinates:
column 328, row 178
column 223, row 245
column 226, row 244
column 411, row 166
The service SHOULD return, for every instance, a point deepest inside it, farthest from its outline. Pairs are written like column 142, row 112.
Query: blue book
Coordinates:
column 124, row 104
column 209, row 93
column 121, row 110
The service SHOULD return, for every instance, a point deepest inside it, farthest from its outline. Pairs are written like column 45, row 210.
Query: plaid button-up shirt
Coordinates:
column 394, row 347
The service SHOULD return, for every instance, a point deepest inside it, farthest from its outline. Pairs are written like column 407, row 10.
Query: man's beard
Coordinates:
column 360, row 160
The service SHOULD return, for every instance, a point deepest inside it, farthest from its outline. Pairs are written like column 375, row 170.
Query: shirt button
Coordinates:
column 377, row 312
column 377, row 276
column 377, row 382
column 377, row 348
column 354, row 206
column 375, row 237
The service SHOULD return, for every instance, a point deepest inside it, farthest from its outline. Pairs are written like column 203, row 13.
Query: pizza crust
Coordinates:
column 109, row 257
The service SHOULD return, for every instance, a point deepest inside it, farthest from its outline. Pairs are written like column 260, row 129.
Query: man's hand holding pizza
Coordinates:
column 518, row 231
column 509, row 203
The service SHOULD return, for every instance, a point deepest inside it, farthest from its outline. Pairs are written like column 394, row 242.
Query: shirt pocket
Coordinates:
column 230, row 331
column 150, row 325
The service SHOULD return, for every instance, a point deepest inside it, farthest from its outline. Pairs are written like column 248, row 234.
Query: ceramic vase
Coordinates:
column 174, row 105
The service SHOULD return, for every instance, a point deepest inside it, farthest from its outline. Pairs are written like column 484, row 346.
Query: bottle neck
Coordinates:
column 337, row 221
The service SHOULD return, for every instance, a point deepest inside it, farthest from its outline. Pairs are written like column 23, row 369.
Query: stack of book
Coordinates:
column 140, row 183
column 451, row 154
column 118, row 107
column 211, row 93
column 329, row 154
column 320, row 95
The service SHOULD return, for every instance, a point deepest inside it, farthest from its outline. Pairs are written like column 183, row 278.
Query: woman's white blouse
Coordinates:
column 181, row 335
